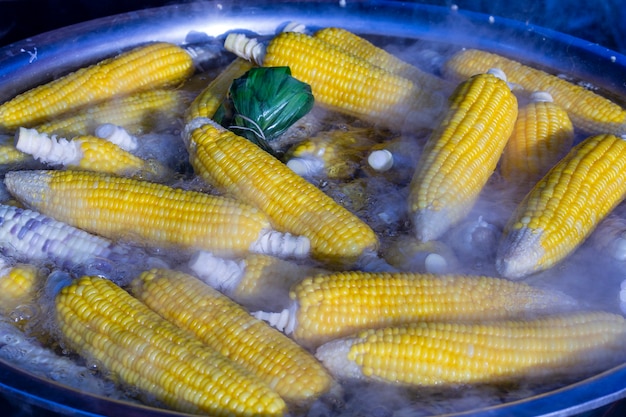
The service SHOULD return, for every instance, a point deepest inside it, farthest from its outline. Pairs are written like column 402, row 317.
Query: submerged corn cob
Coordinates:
column 149, row 213
column 104, row 323
column 542, row 135
column 461, row 154
column 342, row 81
column 564, row 207
column 146, row 67
column 587, row 110
column 138, row 113
column 90, row 153
column 429, row 354
column 609, row 237
column 256, row 281
column 18, row 285
column 335, row 305
column 245, row 171
column 228, row 328
column 410, row 255
column 11, row 157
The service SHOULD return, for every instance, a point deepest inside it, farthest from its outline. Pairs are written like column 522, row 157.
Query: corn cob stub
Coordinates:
column 335, row 305
column 149, row 213
column 150, row 66
column 432, row 354
column 104, row 323
column 461, row 154
column 588, row 111
column 228, row 328
column 18, row 284
column 564, row 207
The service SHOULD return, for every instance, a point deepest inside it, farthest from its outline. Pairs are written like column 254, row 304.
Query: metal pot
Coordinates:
column 35, row 60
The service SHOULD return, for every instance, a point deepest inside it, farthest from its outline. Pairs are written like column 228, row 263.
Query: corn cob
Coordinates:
column 587, row 110
column 343, row 82
column 256, row 281
column 210, row 99
column 11, row 158
column 429, row 354
column 150, row 214
column 334, row 154
column 90, row 153
column 339, row 304
column 138, row 113
column 18, row 285
column 542, row 135
column 351, row 43
column 609, row 237
column 245, row 171
column 104, row 323
column 228, row 328
column 564, row 207
column 410, row 255
column 461, row 154
column 146, row 67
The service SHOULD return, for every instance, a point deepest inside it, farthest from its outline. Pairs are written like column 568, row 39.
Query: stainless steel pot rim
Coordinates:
column 34, row 60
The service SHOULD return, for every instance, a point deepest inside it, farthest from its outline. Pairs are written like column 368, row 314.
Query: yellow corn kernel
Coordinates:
column 245, row 171
column 155, row 65
column 137, row 113
column 18, row 285
column 11, row 157
column 542, row 135
column 344, row 82
column 334, row 154
column 142, row 212
column 256, row 281
column 461, row 154
column 210, row 99
column 587, row 110
column 104, row 323
column 429, row 354
column 564, row 207
column 336, row 305
column 228, row 328
column 351, row 43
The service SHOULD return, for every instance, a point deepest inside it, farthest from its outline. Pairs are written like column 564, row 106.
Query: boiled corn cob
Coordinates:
column 339, row 304
column 429, row 354
column 18, row 285
column 90, row 153
column 343, row 82
column 150, row 214
column 564, row 207
column 256, row 281
column 210, row 99
column 155, row 65
column 334, row 154
column 245, row 171
column 138, row 113
column 461, row 154
column 11, row 157
column 588, row 111
column 542, row 135
column 228, row 328
column 104, row 323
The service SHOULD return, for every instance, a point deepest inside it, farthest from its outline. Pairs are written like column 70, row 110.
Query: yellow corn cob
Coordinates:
column 351, row 43
column 344, row 82
column 256, row 281
column 18, row 285
column 428, row 354
column 138, row 113
column 587, row 110
column 228, row 328
column 209, row 100
column 144, row 212
column 243, row 170
column 564, row 207
column 146, row 67
column 10, row 157
column 461, row 154
column 104, row 323
column 542, row 135
column 339, row 304
column 334, row 154
column 90, row 153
